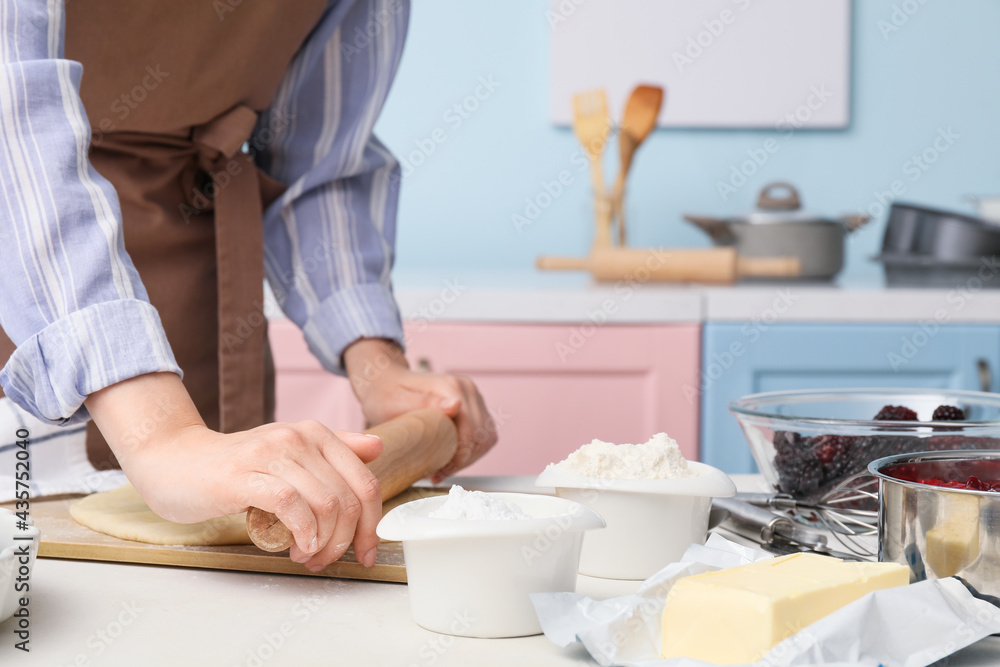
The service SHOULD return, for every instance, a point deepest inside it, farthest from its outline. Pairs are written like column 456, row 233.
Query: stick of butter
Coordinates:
column 953, row 542
column 737, row 615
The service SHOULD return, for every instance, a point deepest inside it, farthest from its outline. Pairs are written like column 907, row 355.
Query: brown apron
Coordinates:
column 172, row 91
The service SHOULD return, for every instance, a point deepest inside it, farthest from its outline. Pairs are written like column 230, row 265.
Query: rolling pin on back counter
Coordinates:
column 713, row 265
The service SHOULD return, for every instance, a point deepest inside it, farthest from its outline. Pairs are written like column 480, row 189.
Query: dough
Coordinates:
column 124, row 514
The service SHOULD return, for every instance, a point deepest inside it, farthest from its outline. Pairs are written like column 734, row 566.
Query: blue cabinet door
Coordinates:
column 739, row 359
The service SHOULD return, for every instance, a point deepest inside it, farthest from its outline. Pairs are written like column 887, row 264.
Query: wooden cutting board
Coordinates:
column 62, row 537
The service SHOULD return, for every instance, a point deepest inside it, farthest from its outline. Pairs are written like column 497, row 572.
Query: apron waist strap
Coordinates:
column 236, row 190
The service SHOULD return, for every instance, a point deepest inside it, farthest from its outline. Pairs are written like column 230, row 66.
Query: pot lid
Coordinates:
column 771, row 217
column 779, row 201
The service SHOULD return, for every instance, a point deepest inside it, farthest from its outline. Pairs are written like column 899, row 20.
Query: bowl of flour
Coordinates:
column 655, row 502
column 473, row 559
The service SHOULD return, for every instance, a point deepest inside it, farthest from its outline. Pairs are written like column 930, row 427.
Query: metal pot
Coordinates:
column 936, row 531
column 780, row 228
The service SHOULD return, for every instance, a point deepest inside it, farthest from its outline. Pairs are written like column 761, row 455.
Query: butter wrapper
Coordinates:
column 912, row 626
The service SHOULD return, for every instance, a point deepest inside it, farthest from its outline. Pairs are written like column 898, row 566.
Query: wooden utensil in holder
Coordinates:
column 638, row 121
column 592, row 125
column 713, row 265
column 414, row 445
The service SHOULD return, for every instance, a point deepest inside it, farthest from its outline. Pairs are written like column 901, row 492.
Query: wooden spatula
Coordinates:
column 641, row 112
column 414, row 445
column 592, row 124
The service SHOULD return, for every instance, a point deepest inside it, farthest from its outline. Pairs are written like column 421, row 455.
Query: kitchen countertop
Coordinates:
column 86, row 613
column 546, row 297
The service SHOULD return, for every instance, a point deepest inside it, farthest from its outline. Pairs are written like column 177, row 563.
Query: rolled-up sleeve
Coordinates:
column 71, row 299
column 329, row 239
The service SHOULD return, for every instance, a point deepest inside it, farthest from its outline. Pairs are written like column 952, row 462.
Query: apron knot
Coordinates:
column 221, row 138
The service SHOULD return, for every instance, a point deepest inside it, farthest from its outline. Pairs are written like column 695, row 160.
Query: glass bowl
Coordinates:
column 805, row 442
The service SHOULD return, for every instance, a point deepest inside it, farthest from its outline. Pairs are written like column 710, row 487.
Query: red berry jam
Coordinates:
column 973, row 484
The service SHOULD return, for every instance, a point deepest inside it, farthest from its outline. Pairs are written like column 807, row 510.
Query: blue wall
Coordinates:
column 940, row 70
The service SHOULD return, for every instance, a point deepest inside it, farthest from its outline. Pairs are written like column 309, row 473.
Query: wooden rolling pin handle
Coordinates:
column 414, row 445
column 552, row 263
column 772, row 267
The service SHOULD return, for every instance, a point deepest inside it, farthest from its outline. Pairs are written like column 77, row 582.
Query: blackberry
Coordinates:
column 872, row 447
column 948, row 413
column 896, row 413
column 786, row 440
column 799, row 472
column 833, row 452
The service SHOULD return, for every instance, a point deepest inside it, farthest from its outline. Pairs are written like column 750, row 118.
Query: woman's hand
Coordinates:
column 313, row 479
column 386, row 388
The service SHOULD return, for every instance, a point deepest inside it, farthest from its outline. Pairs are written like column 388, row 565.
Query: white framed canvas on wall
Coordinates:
column 724, row 63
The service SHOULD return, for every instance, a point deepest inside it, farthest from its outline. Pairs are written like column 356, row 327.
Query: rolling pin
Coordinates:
column 712, row 265
column 414, row 445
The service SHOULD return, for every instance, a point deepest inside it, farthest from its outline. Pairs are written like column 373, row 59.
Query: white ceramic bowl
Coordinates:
column 650, row 522
column 473, row 578
column 12, row 560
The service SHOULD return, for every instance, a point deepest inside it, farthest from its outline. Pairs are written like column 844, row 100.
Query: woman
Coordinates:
column 147, row 260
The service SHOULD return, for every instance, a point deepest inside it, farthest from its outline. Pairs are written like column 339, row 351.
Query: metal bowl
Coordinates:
column 805, row 442
column 937, row 531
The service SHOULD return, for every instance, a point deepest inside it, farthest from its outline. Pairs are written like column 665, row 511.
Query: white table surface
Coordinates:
column 86, row 613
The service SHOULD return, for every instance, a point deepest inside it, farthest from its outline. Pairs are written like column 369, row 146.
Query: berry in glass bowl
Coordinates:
column 805, row 442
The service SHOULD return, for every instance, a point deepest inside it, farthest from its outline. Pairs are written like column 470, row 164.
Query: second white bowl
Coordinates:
column 650, row 522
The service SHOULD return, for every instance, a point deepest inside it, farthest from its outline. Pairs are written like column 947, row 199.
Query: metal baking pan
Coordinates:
column 943, row 235
column 906, row 270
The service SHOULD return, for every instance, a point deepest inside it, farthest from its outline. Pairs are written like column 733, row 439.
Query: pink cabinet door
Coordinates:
column 550, row 388
column 303, row 390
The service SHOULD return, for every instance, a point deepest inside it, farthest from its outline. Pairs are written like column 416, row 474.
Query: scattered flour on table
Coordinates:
column 660, row 458
column 462, row 504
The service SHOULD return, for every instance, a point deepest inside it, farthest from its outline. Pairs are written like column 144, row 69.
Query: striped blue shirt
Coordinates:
column 70, row 297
